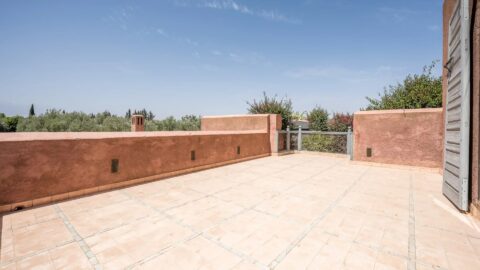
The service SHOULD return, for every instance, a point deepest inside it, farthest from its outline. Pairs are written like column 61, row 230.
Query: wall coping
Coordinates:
column 235, row 115
column 51, row 136
column 404, row 111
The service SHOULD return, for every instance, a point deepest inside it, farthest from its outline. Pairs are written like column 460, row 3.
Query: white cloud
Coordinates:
column 237, row 7
column 227, row 4
column 161, row 32
column 344, row 74
column 217, row 53
column 398, row 15
column 252, row 58
column 120, row 17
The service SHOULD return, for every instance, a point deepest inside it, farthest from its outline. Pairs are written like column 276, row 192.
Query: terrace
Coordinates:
column 302, row 211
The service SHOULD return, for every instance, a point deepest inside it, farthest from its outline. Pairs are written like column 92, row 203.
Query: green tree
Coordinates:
column 168, row 124
column 318, row 118
column 31, row 112
column 189, row 122
column 114, row 123
column 10, row 123
column 3, row 126
column 128, row 115
column 340, row 122
column 416, row 91
column 273, row 105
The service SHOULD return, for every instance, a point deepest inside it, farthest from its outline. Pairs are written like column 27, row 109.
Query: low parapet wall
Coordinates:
column 404, row 137
column 36, row 168
column 236, row 122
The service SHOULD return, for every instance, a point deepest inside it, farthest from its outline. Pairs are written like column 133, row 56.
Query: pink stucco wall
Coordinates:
column 262, row 122
column 404, row 137
column 37, row 165
column 235, row 122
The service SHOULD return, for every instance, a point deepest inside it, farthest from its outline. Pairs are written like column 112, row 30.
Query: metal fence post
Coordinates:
column 275, row 144
column 299, row 147
column 288, row 138
column 350, row 143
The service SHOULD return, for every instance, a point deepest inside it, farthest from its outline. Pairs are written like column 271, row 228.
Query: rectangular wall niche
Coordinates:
column 369, row 152
column 114, row 166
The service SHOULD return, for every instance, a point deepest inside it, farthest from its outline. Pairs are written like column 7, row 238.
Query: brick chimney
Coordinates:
column 138, row 122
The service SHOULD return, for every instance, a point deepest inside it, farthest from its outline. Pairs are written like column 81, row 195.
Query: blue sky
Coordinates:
column 208, row 57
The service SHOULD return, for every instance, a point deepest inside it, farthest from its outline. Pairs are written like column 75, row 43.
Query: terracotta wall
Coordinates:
column 263, row 122
column 38, row 165
column 404, row 137
column 235, row 122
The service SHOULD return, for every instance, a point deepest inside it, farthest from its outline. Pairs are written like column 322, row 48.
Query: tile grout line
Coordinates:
column 203, row 234
column 195, row 232
column 92, row 259
column 411, row 229
column 315, row 222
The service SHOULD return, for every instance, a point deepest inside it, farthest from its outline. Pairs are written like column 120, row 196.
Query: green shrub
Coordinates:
column 416, row 91
column 273, row 105
column 324, row 143
column 340, row 122
column 318, row 118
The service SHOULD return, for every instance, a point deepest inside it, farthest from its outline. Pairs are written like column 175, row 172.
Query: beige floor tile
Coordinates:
column 37, row 262
column 70, row 256
column 386, row 261
column 94, row 221
column 41, row 236
column 345, row 216
column 197, row 253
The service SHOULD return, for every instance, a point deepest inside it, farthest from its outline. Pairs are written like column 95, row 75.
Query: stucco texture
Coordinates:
column 235, row 122
column 37, row 165
column 403, row 137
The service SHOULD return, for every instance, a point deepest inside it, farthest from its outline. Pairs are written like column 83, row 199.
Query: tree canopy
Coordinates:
column 416, row 91
column 54, row 120
column 274, row 105
column 31, row 112
column 318, row 118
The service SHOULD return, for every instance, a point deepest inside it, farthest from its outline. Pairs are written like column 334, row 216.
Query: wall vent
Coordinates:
column 115, row 164
column 192, row 155
column 369, row 152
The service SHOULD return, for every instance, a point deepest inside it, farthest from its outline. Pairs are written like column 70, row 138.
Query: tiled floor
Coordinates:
column 292, row 212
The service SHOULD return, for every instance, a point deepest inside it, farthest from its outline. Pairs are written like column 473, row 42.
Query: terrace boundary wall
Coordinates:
column 402, row 137
column 40, row 167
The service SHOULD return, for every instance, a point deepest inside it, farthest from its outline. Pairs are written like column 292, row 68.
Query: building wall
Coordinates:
column 44, row 167
column 404, row 137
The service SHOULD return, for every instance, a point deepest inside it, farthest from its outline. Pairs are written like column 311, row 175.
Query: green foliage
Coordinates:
column 9, row 123
column 189, row 122
column 148, row 115
column 300, row 116
column 273, row 105
column 58, row 120
column 115, row 123
column 325, row 143
column 31, row 112
column 340, row 122
column 3, row 125
column 416, row 91
column 318, row 119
